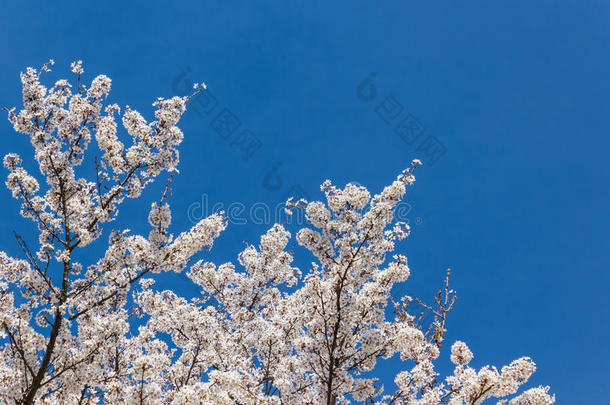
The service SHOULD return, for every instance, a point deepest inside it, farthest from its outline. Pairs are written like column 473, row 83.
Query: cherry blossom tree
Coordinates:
column 261, row 331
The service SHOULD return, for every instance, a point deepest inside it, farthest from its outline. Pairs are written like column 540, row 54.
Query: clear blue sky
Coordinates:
column 515, row 95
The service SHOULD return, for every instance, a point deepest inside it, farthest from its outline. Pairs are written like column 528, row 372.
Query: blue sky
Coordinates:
column 506, row 102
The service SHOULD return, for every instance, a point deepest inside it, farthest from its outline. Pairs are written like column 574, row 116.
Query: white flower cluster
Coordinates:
column 261, row 332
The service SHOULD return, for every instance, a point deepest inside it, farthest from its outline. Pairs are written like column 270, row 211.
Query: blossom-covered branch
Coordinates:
column 262, row 331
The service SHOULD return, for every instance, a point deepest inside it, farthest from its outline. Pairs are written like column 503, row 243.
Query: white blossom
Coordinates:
column 261, row 331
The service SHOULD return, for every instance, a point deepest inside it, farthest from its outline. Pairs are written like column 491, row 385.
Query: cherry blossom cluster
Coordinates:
column 261, row 331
